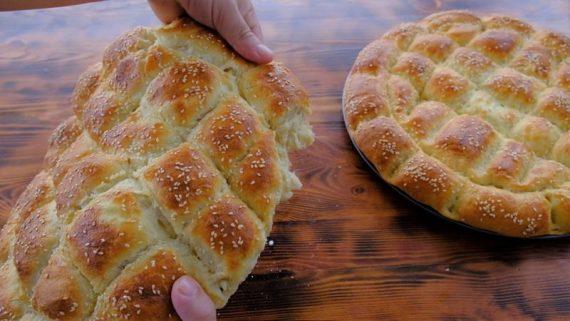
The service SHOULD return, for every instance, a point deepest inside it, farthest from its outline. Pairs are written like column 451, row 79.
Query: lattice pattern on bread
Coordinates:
column 173, row 164
column 470, row 116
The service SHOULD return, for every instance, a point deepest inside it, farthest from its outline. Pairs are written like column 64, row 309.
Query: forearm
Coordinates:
column 34, row 4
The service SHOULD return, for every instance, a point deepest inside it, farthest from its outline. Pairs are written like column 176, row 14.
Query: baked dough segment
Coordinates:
column 139, row 138
column 244, row 150
column 129, row 78
column 183, row 181
column 497, row 44
column 7, row 238
column 61, row 292
column 562, row 78
column 510, row 213
column 277, row 94
column 142, row 291
column 554, row 104
column 172, row 164
column 366, row 98
column 561, row 150
column 184, row 92
column 36, row 234
column 471, row 63
column 560, row 202
column 62, row 137
column 429, row 181
column 227, row 133
column 227, row 238
column 385, row 143
column 95, row 172
column 110, row 231
column 39, row 192
column 12, row 296
column 261, row 178
column 415, row 67
column 458, row 104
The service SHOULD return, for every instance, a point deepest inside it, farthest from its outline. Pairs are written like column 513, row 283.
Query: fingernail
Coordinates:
column 187, row 287
column 264, row 51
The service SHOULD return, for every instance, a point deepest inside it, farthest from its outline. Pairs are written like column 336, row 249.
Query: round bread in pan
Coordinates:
column 470, row 116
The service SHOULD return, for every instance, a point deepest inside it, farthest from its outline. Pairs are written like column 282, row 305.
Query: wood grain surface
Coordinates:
column 346, row 247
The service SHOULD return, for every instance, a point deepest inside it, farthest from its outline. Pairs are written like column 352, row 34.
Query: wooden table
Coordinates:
column 346, row 247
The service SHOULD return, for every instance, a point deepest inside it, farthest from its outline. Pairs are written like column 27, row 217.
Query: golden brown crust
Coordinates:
column 415, row 67
column 61, row 292
column 499, row 45
column 36, row 234
column 112, row 230
column 443, row 21
column 366, row 97
column 85, row 87
column 560, row 201
column 554, row 105
column 425, row 118
column 227, row 237
column 62, row 137
column 471, row 63
column 186, row 91
column 533, row 61
column 447, row 86
column 258, row 179
column 84, row 177
column 188, row 37
column 228, row 132
column 276, row 93
column 513, row 89
column 563, row 75
column 176, row 142
column 137, row 139
column 183, row 180
column 561, row 150
column 557, row 43
column 39, row 192
column 433, row 46
column 537, row 133
column 509, row 164
column 12, row 296
column 143, row 292
column 508, row 213
column 82, row 146
column 385, row 143
column 6, row 237
column 461, row 26
column 134, row 71
column 470, row 116
column 506, row 22
column 229, row 229
column 403, row 95
column 132, row 41
column 376, row 58
column 428, row 181
column 102, row 112
column 463, row 140
column 403, row 35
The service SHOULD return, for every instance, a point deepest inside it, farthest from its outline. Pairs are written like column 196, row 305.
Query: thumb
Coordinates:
column 231, row 24
column 191, row 302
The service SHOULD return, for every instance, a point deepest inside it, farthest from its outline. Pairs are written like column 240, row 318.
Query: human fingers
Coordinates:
column 166, row 10
column 191, row 302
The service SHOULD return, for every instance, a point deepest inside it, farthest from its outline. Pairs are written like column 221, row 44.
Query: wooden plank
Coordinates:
column 346, row 247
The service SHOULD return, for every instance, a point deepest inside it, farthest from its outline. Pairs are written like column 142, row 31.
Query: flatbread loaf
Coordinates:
column 173, row 164
column 470, row 116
